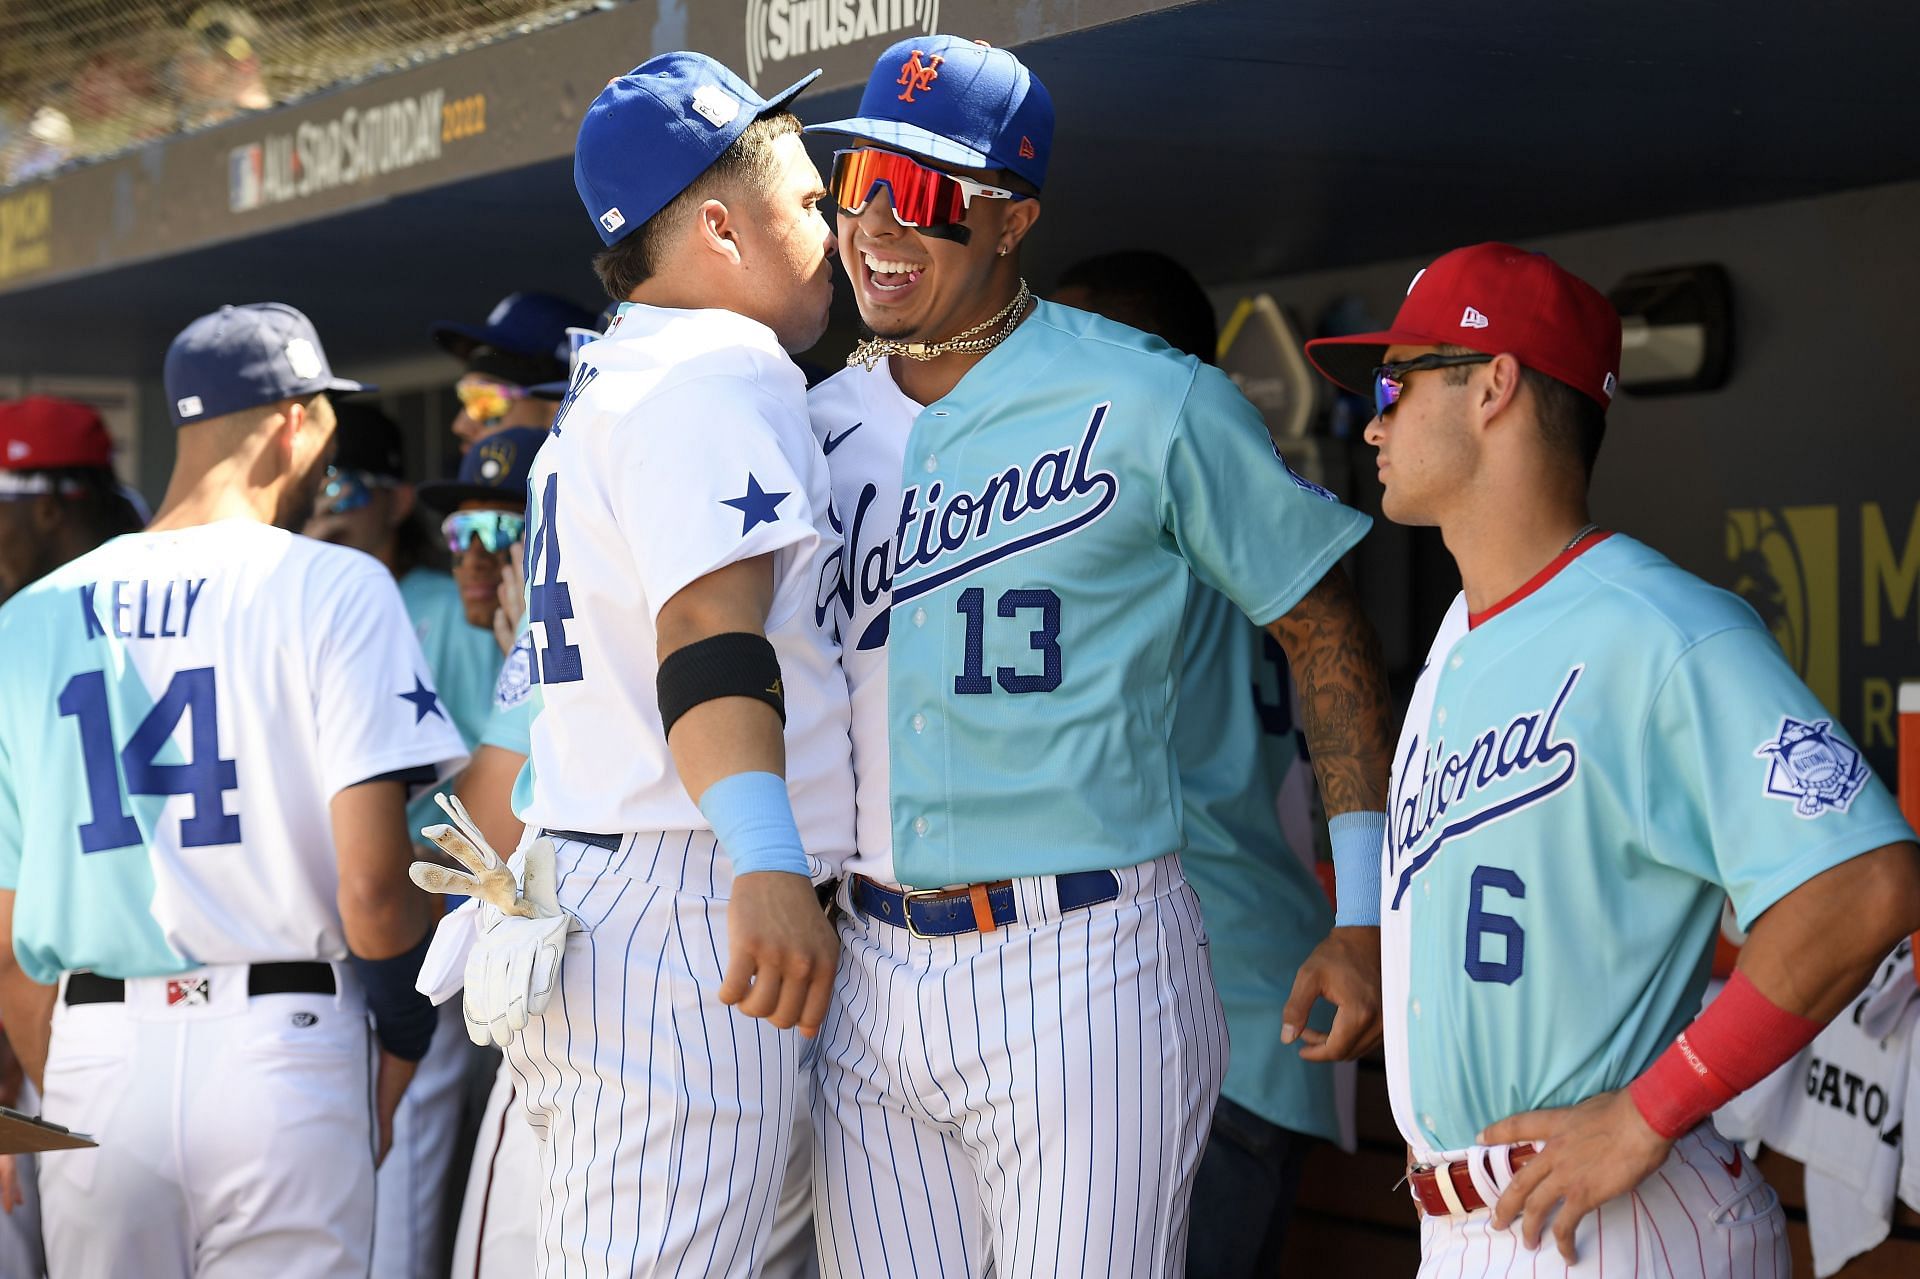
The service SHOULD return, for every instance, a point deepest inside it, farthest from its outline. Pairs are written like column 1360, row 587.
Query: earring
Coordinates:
column 1003, row 250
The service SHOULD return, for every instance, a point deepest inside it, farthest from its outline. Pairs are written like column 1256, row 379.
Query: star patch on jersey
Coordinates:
column 425, row 701
column 192, row 992
column 756, row 506
column 1807, row 764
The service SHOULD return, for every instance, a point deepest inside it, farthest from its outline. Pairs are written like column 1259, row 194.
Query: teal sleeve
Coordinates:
column 1748, row 781
column 12, row 832
column 1244, row 522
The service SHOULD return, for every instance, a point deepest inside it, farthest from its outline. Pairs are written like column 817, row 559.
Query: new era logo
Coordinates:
column 17, row 449
column 1608, row 385
column 1472, row 319
column 1026, row 148
column 612, row 220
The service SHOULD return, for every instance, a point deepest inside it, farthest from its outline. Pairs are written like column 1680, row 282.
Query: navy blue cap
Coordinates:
column 959, row 102
column 529, row 329
column 242, row 357
column 654, row 130
column 494, row 469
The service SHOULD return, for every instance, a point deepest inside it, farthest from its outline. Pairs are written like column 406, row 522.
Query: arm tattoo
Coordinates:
column 1337, row 666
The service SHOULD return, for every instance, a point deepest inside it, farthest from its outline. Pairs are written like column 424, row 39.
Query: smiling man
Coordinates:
column 1027, row 493
column 1599, row 747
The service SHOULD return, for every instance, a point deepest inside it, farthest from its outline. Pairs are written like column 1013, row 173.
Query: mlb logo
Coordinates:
column 612, row 220
column 189, row 992
column 246, row 167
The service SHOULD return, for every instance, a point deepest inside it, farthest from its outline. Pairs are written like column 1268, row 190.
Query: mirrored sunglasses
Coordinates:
column 497, row 530
column 485, row 400
column 348, row 490
column 921, row 197
column 1389, row 380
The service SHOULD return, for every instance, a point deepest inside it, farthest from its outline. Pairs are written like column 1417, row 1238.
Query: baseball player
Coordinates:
column 522, row 344
column 1246, row 796
column 1027, row 494
column 679, row 519
column 1598, row 746
column 207, row 731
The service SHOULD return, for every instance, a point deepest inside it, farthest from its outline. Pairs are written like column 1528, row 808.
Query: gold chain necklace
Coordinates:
column 870, row 351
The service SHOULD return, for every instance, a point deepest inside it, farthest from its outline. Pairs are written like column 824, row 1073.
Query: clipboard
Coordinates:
column 26, row 1135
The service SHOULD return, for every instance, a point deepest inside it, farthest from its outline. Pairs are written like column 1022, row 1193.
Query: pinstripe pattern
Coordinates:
column 1029, row 1102
column 663, row 1116
column 1691, row 1219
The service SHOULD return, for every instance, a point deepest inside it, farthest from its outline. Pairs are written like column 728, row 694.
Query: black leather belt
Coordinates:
column 310, row 978
column 976, row 908
column 609, row 842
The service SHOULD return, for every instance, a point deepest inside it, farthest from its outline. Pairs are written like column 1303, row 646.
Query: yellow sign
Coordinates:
column 26, row 232
column 1789, row 562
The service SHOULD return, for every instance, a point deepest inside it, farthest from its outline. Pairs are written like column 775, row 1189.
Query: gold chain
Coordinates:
column 869, row 352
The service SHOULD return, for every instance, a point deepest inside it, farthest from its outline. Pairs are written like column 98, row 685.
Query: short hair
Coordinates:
column 630, row 262
column 93, row 497
column 1570, row 420
column 1155, row 288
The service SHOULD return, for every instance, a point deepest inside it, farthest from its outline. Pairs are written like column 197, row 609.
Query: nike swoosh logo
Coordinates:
column 1733, row 1168
column 833, row 441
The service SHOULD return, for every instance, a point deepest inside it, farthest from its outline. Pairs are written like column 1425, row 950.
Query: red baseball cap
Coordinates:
column 41, row 433
column 1496, row 299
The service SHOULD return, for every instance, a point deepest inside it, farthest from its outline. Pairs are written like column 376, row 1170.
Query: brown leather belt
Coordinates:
column 1425, row 1183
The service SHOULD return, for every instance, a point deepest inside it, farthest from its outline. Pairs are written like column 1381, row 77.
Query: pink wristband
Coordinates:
column 1740, row 1039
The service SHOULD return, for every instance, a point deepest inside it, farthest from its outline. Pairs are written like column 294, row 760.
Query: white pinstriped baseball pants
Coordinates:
column 1704, row 1214
column 1034, row 1099
column 662, row 1116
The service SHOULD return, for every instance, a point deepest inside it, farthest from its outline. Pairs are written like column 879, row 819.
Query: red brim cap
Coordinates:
column 41, row 433
column 1348, row 362
column 1497, row 299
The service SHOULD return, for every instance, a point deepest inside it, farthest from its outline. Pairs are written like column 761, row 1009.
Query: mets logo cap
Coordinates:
column 241, row 357
column 1495, row 299
column 959, row 102
column 652, row 131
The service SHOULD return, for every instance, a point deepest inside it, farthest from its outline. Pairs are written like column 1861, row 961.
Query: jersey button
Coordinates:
column 1428, row 1121
column 1416, row 1008
column 919, row 825
column 1440, row 716
column 1455, row 663
column 919, row 723
column 933, row 463
column 919, row 617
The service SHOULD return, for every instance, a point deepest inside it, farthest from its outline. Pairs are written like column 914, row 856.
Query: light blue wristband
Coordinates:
column 753, row 820
column 1358, row 845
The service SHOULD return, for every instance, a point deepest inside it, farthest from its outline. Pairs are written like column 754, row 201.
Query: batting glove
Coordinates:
column 513, row 966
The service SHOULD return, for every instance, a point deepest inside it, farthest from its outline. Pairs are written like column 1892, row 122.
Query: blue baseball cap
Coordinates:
column 495, row 469
column 652, row 131
column 524, row 338
column 241, row 357
column 956, row 101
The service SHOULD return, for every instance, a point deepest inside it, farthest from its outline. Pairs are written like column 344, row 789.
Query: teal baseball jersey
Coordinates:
column 177, row 710
column 1015, row 567
column 516, row 700
column 1244, row 787
column 464, row 659
column 1583, row 773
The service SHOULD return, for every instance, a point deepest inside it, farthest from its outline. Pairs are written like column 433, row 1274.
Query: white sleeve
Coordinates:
column 708, row 478
column 374, row 700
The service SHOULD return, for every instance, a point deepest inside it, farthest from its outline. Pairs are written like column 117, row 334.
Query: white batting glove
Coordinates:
column 513, row 966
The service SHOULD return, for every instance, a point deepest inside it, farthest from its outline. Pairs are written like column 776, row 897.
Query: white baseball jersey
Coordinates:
column 682, row 447
column 177, row 709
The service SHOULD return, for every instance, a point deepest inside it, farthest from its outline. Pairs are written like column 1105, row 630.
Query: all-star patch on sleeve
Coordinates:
column 713, row 478
column 1743, row 762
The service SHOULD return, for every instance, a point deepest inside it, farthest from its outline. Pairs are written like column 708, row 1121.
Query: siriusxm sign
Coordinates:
column 780, row 30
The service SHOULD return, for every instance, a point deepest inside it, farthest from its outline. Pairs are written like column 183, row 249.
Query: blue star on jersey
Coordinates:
column 1807, row 764
column 425, row 701
column 756, row 505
